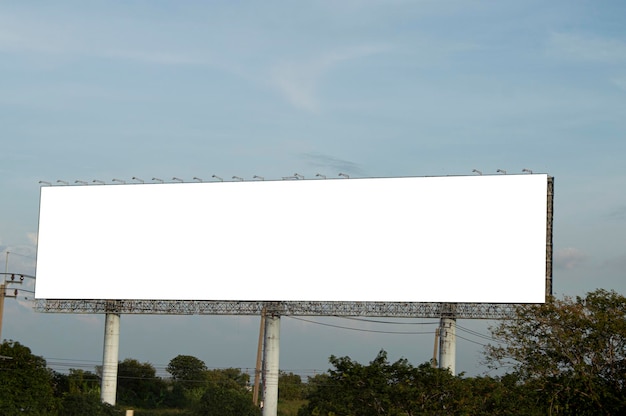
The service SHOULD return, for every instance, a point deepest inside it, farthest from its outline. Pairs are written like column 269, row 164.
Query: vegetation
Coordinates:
column 394, row 389
column 138, row 385
column 572, row 352
column 25, row 382
column 565, row 357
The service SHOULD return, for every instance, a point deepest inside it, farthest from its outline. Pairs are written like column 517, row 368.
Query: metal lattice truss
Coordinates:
column 371, row 309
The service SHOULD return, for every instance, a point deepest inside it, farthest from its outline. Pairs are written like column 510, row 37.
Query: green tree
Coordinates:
column 60, row 384
column 138, row 385
column 25, row 382
column 571, row 351
column 400, row 389
column 82, row 404
column 81, row 381
column 187, row 371
column 381, row 388
column 226, row 394
column 189, row 380
column 232, row 378
column 290, row 386
column 504, row 395
column 221, row 400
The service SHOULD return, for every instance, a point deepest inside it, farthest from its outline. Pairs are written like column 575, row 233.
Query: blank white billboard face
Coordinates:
column 435, row 239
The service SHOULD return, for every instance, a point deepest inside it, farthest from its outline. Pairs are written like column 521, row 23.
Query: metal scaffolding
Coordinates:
column 195, row 307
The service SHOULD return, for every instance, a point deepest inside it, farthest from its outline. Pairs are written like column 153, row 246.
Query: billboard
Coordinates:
column 410, row 239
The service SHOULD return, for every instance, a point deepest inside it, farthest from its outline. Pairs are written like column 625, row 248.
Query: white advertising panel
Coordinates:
column 412, row 239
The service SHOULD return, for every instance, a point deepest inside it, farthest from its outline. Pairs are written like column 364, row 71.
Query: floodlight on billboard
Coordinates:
column 411, row 239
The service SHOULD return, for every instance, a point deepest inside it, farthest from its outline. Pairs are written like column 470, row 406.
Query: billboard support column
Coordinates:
column 110, row 355
column 447, row 343
column 549, row 247
column 271, row 368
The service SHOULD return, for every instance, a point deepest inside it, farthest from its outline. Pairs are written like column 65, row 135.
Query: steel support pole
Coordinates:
column 2, row 295
column 110, row 358
column 272, row 350
column 447, row 344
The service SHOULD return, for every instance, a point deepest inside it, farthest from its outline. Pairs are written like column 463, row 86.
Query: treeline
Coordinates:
column 394, row 389
column 564, row 357
column 27, row 386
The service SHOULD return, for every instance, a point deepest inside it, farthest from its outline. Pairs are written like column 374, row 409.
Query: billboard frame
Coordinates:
column 466, row 310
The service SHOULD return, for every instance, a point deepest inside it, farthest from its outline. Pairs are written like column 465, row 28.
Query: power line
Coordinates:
column 477, row 334
column 361, row 329
column 469, row 340
column 18, row 254
column 386, row 322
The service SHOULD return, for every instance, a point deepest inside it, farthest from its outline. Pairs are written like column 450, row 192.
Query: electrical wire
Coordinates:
column 478, row 334
column 385, row 322
column 360, row 329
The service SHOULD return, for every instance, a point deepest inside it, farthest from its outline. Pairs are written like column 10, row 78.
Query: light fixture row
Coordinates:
column 502, row 171
column 295, row 176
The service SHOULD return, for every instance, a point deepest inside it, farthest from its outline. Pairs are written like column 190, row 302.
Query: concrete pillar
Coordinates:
column 271, row 368
column 110, row 356
column 447, row 344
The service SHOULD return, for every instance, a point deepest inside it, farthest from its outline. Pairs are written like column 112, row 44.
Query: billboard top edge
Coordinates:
column 45, row 184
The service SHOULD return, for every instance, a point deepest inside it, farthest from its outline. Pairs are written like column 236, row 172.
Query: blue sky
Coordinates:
column 104, row 90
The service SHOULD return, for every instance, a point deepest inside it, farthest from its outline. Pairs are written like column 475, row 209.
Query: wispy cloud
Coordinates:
column 77, row 39
column 569, row 258
column 620, row 82
column 618, row 214
column 153, row 57
column 332, row 164
column 588, row 48
column 617, row 263
column 32, row 237
column 298, row 81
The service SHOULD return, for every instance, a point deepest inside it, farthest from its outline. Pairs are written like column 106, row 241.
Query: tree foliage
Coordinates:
column 571, row 351
column 383, row 388
column 81, row 404
column 400, row 389
column 81, row 381
column 222, row 400
column 187, row 371
column 232, row 378
column 138, row 385
column 290, row 386
column 25, row 382
column 209, row 392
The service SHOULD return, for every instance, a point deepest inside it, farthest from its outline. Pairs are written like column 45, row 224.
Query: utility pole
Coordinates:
column 259, row 360
column 3, row 293
column 436, row 349
column 9, row 279
column 4, row 286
